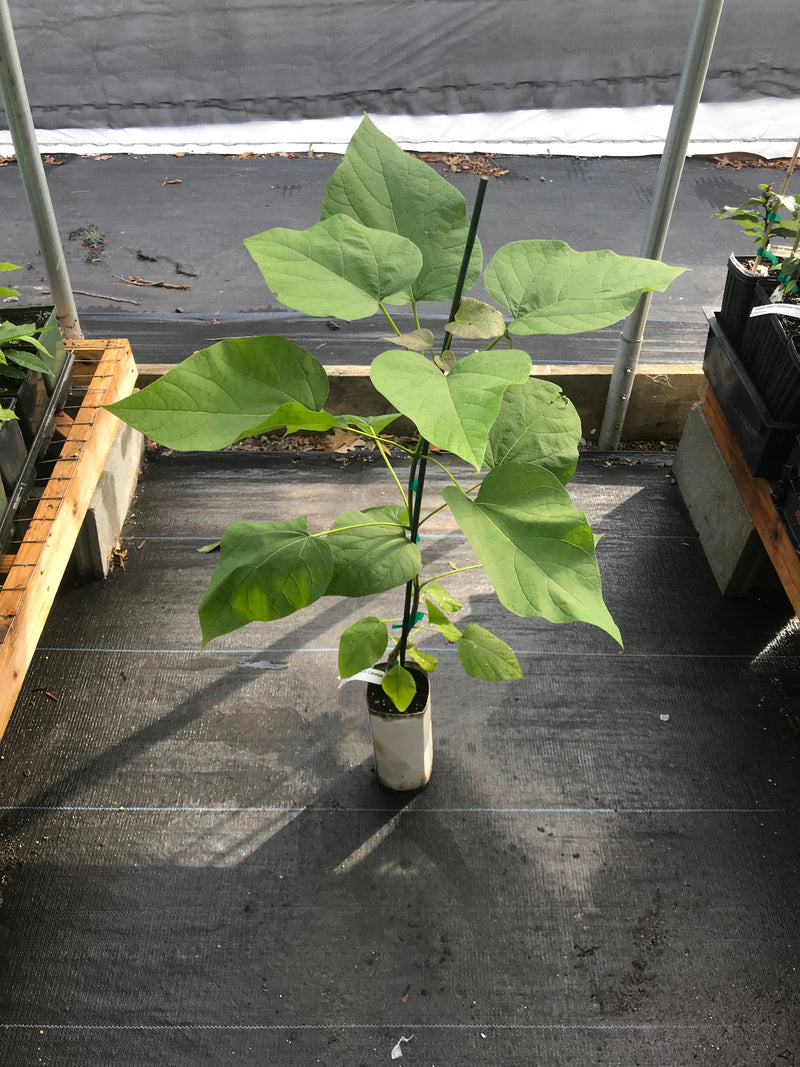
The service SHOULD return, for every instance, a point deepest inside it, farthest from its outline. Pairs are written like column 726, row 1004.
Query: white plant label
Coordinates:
column 371, row 674
column 791, row 311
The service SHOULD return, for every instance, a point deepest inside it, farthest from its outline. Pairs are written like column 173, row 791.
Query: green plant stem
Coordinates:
column 454, row 570
column 389, row 319
column 416, row 481
column 441, row 507
column 356, row 526
column 392, row 471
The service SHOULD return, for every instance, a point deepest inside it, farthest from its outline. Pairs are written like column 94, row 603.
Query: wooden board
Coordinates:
column 103, row 371
column 756, row 496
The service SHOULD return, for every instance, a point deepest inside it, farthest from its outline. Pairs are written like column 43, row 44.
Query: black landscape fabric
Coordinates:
column 199, row 866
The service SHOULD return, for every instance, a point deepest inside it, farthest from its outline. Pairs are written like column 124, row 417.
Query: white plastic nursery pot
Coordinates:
column 402, row 741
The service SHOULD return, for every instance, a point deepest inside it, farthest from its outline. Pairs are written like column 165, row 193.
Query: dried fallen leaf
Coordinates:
column 171, row 181
column 105, row 155
column 51, row 161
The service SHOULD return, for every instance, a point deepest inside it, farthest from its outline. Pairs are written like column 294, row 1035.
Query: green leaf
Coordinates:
column 6, row 415
column 445, row 361
column 213, row 547
column 369, row 423
column 455, row 411
column 476, row 319
column 439, row 595
column 438, row 619
column 223, row 393
column 362, row 645
column 383, row 187
column 4, row 291
column 425, row 660
column 337, row 267
column 417, row 340
column 485, row 656
column 536, row 548
column 9, row 266
column 550, row 288
column 400, row 686
column 536, row 424
column 375, row 556
column 267, row 570
column 29, row 360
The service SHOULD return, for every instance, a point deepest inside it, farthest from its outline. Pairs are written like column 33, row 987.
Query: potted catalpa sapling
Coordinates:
column 763, row 219
column 394, row 233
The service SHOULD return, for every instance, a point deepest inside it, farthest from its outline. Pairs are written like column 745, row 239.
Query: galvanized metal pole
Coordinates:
column 669, row 176
column 20, row 123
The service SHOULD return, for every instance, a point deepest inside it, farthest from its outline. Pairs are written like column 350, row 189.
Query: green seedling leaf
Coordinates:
column 9, row 266
column 383, row 187
column 6, row 415
column 214, row 547
column 422, row 659
column 223, row 393
column 10, row 371
column 267, row 570
column 438, row 619
column 536, row 547
column 336, row 268
column 417, row 340
column 29, row 360
column 10, row 332
column 369, row 423
column 439, row 595
column 370, row 552
column 485, row 656
column 536, row 424
column 476, row 319
column 455, row 411
column 550, row 288
column 362, row 645
column 4, row 291
column 445, row 362
column 399, row 685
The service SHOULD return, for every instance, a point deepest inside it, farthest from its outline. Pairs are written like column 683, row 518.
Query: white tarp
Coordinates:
column 766, row 127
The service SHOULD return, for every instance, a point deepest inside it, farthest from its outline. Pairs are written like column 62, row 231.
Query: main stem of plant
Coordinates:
column 419, row 461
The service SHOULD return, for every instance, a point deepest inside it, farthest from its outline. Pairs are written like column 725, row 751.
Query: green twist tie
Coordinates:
column 414, row 485
column 766, row 254
column 772, row 216
column 419, row 617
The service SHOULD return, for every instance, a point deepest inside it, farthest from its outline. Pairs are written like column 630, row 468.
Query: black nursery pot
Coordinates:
column 770, row 349
column 764, row 440
column 739, row 294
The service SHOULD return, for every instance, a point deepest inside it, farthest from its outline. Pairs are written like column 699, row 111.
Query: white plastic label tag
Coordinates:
column 791, row 311
column 371, row 674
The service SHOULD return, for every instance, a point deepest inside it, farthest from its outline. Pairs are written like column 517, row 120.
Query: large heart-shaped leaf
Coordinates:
column 383, row 187
column 484, row 656
column 454, row 411
column 371, row 552
column 536, row 548
column 222, row 393
column 267, row 570
column 337, row 267
column 550, row 288
column 362, row 645
column 536, row 424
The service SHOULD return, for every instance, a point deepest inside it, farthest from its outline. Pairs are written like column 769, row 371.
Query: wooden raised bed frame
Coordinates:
column 32, row 573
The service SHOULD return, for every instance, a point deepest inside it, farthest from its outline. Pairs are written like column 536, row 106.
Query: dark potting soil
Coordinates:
column 377, row 700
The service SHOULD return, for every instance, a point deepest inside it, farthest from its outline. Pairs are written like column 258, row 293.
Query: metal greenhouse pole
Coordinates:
column 669, row 176
column 20, row 123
